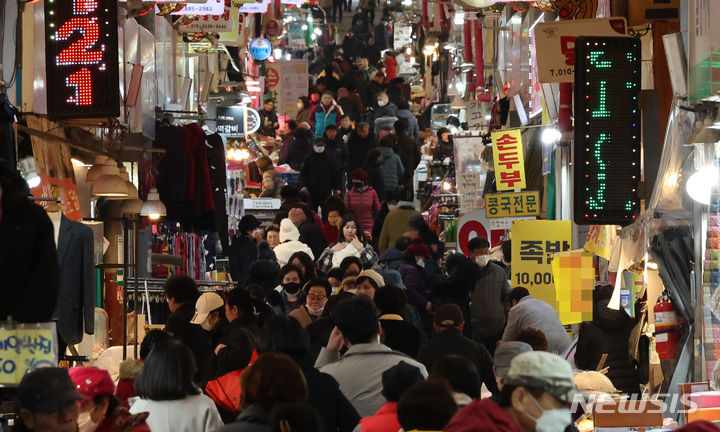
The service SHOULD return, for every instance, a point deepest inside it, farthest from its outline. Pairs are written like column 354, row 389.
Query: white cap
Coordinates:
column 544, row 370
column 207, row 303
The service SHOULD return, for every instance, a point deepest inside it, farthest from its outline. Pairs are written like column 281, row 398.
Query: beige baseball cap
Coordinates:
column 207, row 303
column 544, row 370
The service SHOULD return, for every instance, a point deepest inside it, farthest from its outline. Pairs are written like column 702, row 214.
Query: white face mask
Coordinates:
column 382, row 103
column 319, row 149
column 315, row 312
column 206, row 325
column 421, row 262
column 86, row 424
column 482, row 260
column 554, row 420
column 392, row 207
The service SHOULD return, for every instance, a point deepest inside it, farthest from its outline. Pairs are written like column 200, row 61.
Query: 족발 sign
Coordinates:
column 26, row 347
column 514, row 204
column 534, row 244
column 555, row 42
column 508, row 159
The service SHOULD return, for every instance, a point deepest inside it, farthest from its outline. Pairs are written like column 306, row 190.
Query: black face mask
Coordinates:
column 357, row 186
column 291, row 287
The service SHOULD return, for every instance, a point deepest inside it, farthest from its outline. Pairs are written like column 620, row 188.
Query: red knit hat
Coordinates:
column 359, row 174
column 418, row 248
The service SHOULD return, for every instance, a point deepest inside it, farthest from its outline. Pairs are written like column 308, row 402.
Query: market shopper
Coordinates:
column 363, row 200
column 268, row 119
column 271, row 180
column 284, row 334
column 358, row 329
column 290, row 295
column 351, row 243
column 130, row 368
column 272, row 236
column 332, row 214
column 395, row 381
column 297, row 146
column 392, row 167
column 325, row 113
column 537, row 394
column 48, row 401
column 309, row 228
column 303, row 106
column 359, row 144
column 408, row 151
column 167, row 392
column 427, row 406
column 448, row 339
column 99, row 409
column 608, row 333
column 398, row 334
column 317, row 291
column 319, row 176
column 487, row 297
column 289, row 243
column 463, row 377
column 273, row 379
column 244, row 248
column 396, row 223
column 504, row 355
column 527, row 311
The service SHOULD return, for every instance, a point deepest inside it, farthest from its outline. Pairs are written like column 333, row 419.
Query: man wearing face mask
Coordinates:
column 319, row 175
column 210, row 316
column 536, row 397
column 385, row 110
column 487, row 309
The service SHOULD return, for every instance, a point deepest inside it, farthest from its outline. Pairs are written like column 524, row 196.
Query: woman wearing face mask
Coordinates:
column 243, row 248
column 317, row 292
column 362, row 199
column 289, row 295
column 352, row 242
column 303, row 106
column 100, row 410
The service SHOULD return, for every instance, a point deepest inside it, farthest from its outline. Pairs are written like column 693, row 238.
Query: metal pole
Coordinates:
column 124, row 290
column 136, row 271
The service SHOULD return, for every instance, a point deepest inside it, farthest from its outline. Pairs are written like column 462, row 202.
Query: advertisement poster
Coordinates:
column 293, row 83
column 54, row 167
column 26, row 347
column 508, row 159
column 574, row 276
column 534, row 244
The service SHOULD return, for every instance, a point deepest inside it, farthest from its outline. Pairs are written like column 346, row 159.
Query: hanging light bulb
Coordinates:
column 109, row 184
column 94, row 171
column 700, row 184
column 153, row 207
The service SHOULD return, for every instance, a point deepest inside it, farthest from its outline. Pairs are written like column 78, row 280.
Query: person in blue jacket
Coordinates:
column 325, row 113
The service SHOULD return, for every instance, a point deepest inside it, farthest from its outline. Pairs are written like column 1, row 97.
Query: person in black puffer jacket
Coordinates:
column 299, row 145
column 462, row 274
column 609, row 333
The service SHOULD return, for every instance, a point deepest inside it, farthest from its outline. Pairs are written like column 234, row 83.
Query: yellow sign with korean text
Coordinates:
column 574, row 276
column 25, row 347
column 508, row 159
column 601, row 240
column 534, row 244
column 514, row 204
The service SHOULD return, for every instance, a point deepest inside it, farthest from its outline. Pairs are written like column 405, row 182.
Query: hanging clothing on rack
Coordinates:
column 199, row 190
column 218, row 182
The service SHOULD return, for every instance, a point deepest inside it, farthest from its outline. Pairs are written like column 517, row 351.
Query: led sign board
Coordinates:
column 81, row 58
column 607, row 130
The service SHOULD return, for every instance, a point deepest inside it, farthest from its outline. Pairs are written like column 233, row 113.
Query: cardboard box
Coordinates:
column 627, row 412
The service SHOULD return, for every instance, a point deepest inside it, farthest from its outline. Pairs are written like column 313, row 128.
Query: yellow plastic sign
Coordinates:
column 515, row 204
column 601, row 240
column 25, row 347
column 508, row 159
column 534, row 244
column 574, row 276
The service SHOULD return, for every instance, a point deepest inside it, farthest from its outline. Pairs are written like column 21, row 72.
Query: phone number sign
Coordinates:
column 555, row 42
column 81, row 58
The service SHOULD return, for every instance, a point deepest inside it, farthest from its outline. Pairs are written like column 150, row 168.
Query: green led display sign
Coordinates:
column 607, row 130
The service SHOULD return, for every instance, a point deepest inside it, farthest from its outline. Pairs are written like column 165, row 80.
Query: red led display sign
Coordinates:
column 607, row 130
column 81, row 58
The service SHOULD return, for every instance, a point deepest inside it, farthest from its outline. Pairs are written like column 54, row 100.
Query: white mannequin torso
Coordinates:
column 56, row 218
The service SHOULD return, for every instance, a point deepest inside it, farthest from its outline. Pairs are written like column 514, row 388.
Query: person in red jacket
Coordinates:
column 100, row 410
column 390, row 65
column 395, row 381
column 363, row 200
column 537, row 394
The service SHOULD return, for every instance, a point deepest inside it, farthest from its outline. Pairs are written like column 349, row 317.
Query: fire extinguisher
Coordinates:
column 667, row 329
